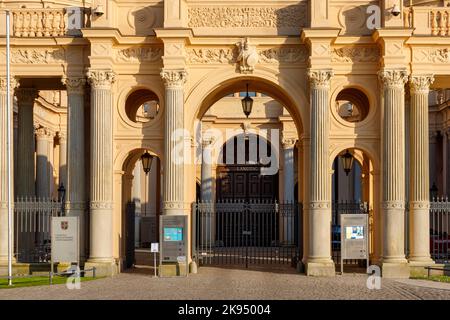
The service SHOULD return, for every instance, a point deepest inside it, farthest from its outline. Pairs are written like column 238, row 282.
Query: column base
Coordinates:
column 417, row 267
column 173, row 270
column 102, row 268
column 193, row 267
column 320, row 269
column 396, row 270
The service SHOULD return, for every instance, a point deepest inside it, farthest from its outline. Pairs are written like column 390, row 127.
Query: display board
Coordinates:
column 354, row 237
column 174, row 245
column 65, row 239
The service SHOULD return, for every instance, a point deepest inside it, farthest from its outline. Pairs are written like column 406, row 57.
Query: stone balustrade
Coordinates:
column 433, row 21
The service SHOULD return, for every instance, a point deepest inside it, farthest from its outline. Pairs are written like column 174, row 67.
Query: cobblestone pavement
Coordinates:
column 230, row 284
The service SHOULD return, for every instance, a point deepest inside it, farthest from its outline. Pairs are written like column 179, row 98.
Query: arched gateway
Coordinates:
column 94, row 92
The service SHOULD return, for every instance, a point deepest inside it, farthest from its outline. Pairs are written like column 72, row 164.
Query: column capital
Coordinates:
column 288, row 143
column 74, row 84
column 27, row 95
column 101, row 78
column 174, row 78
column 61, row 136
column 393, row 78
column 421, row 83
column 320, row 78
column 13, row 84
column 207, row 141
column 43, row 132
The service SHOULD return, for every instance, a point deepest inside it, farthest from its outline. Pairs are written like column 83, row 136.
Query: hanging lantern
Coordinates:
column 247, row 104
column 347, row 162
column 146, row 159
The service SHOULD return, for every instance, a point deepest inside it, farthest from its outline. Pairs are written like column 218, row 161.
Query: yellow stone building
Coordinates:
column 99, row 82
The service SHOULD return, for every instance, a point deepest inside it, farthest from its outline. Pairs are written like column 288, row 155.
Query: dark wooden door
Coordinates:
column 129, row 234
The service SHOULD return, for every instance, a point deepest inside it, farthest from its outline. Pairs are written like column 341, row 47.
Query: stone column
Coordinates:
column 207, row 183
column 394, row 263
column 101, row 176
column 62, row 159
column 319, row 254
column 4, row 166
column 288, row 188
column 24, row 179
column 419, row 186
column 44, row 142
column 74, row 159
column 173, row 194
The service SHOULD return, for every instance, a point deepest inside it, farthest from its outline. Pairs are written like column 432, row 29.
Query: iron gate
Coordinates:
column 233, row 232
column 32, row 220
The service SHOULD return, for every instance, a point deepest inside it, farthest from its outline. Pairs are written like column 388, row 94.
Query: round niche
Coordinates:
column 352, row 105
column 142, row 106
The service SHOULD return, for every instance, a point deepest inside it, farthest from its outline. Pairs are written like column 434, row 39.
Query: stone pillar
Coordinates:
column 62, row 159
column 319, row 261
column 288, row 187
column 394, row 263
column 4, row 166
column 74, row 159
column 173, row 194
column 207, row 193
column 44, row 143
column 25, row 185
column 101, row 176
column 419, row 188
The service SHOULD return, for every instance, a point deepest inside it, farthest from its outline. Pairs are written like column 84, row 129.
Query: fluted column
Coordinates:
column 419, row 186
column 319, row 259
column 44, row 142
column 288, row 170
column 4, row 166
column 101, row 176
column 173, row 194
column 75, row 156
column 393, row 174
column 206, row 183
column 62, row 159
column 25, row 185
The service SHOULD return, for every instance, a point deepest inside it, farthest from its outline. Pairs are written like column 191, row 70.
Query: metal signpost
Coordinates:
column 354, row 238
column 65, row 241
column 154, row 249
column 174, row 244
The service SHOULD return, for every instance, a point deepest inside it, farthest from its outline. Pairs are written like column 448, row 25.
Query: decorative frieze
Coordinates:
column 432, row 55
column 139, row 55
column 247, row 17
column 355, row 54
column 38, row 56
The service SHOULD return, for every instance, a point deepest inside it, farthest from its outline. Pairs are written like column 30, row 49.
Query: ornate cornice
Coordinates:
column 174, row 78
column 13, row 84
column 74, row 85
column 26, row 95
column 421, row 83
column 394, row 78
column 320, row 78
column 101, row 79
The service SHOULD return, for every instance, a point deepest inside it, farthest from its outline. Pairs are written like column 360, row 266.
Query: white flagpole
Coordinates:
column 8, row 146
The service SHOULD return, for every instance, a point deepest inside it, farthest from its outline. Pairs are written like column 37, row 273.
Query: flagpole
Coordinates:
column 8, row 145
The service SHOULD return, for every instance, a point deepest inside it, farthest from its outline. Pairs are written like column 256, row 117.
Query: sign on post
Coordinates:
column 354, row 238
column 65, row 239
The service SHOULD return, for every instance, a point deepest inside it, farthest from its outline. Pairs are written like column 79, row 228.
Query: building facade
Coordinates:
column 97, row 83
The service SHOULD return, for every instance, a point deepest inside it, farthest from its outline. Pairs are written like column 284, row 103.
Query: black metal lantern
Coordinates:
column 146, row 159
column 347, row 162
column 247, row 104
column 434, row 191
column 61, row 192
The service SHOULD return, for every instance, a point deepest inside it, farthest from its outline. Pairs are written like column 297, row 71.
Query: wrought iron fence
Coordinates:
column 233, row 232
column 440, row 230
column 32, row 221
column 338, row 208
